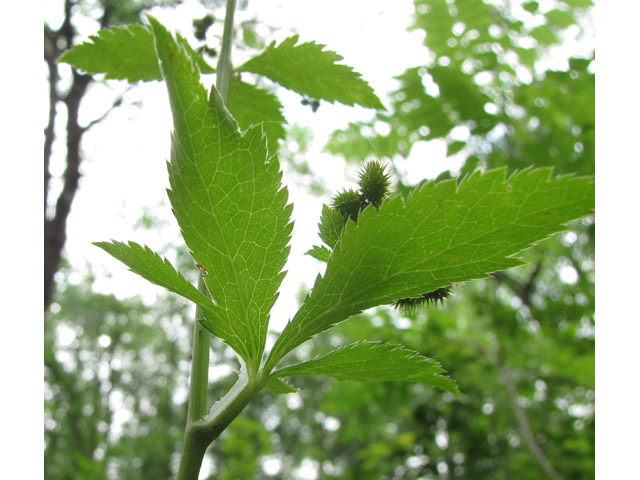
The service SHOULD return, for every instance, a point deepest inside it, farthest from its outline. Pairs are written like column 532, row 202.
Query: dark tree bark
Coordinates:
column 56, row 42
column 55, row 224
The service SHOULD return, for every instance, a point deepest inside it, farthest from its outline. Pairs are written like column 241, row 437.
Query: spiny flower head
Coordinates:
column 349, row 203
column 374, row 182
column 410, row 305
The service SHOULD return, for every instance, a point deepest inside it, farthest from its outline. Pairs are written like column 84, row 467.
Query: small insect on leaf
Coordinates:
column 203, row 271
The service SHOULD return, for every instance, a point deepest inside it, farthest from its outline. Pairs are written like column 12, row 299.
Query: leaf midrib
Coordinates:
column 349, row 299
column 225, row 242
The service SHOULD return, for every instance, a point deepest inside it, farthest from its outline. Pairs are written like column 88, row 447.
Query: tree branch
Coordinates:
column 521, row 416
column 523, row 423
column 522, row 289
column 55, row 235
column 116, row 103
column 55, row 229
column 51, row 52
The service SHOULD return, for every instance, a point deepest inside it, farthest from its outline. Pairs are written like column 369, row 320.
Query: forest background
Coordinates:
column 23, row 266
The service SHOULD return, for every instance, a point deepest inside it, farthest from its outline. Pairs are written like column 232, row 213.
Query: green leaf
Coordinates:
column 437, row 22
column 331, row 224
column 250, row 37
column 454, row 147
column 227, row 196
column 309, row 70
column 544, row 35
column 195, row 56
column 475, row 14
column 354, row 146
column 560, row 18
column 279, row 387
column 321, row 253
column 528, row 56
column 149, row 265
column 251, row 105
column 124, row 53
column 531, row 7
column 374, row 361
column 445, row 233
column 579, row 3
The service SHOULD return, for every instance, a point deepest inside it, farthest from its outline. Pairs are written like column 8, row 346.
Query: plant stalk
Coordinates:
column 193, row 450
column 193, row 447
column 199, row 366
column 225, row 67
column 196, row 439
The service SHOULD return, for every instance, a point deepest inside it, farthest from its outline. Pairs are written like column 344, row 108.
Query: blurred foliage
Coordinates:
column 112, row 368
column 484, row 88
column 526, row 329
column 520, row 344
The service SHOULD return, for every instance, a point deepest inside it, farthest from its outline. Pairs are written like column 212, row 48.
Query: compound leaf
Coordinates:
column 331, row 224
column 313, row 72
column 319, row 252
column 279, row 387
column 374, row 361
column 149, row 265
column 444, row 233
column 124, row 53
column 227, row 197
column 251, row 105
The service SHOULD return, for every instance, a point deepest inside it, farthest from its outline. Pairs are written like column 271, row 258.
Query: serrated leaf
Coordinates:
column 374, row 361
column 119, row 52
column 445, row 233
column 227, row 196
column 124, row 53
column 149, row 265
column 251, row 105
column 309, row 70
column 280, row 387
column 331, row 224
column 321, row 253
column 195, row 56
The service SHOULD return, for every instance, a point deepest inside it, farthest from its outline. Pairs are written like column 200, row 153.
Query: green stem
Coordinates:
column 200, row 433
column 193, row 450
column 225, row 67
column 199, row 366
column 193, row 447
column 229, row 407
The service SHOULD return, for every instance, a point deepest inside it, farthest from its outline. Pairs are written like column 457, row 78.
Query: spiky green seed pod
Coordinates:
column 410, row 305
column 374, row 182
column 349, row 203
